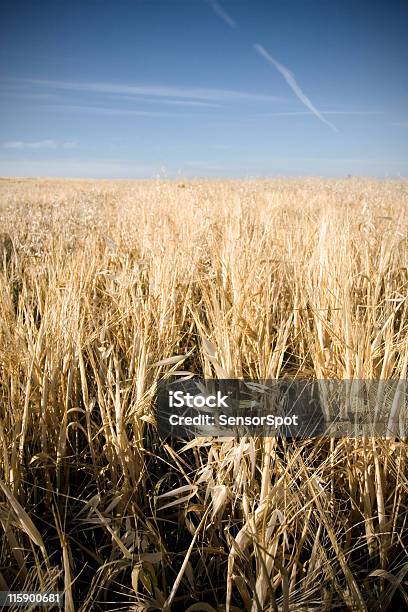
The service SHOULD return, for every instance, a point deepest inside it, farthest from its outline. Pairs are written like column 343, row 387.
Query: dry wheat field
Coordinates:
column 106, row 287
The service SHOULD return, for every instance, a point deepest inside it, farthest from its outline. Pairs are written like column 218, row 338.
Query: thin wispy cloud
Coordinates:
column 102, row 110
column 158, row 91
column 28, row 95
column 293, row 84
column 169, row 102
column 21, row 93
column 21, row 145
column 326, row 112
column 218, row 10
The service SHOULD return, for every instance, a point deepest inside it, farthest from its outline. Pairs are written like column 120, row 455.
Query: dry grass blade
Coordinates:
column 24, row 521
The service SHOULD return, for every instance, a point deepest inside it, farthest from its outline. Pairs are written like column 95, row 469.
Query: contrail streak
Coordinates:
column 291, row 81
column 218, row 10
column 287, row 75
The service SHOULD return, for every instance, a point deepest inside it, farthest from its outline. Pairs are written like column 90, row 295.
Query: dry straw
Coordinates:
column 119, row 284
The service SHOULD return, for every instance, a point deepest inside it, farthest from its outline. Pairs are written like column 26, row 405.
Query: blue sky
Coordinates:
column 149, row 88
